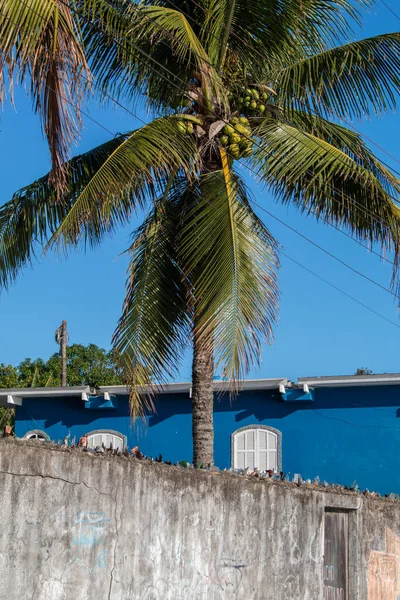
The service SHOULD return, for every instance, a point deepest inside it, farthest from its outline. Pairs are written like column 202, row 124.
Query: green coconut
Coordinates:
column 181, row 126
column 224, row 139
column 235, row 138
column 255, row 94
column 228, row 129
column 261, row 108
column 234, row 120
column 243, row 120
column 253, row 105
column 242, row 129
column 190, row 128
column 234, row 150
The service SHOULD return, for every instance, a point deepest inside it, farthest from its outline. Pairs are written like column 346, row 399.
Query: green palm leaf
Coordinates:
column 39, row 42
column 353, row 190
column 105, row 185
column 126, row 179
column 154, row 326
column 230, row 258
column 35, row 212
column 354, row 80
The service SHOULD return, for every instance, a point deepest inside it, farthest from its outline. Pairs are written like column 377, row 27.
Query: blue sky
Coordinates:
column 320, row 332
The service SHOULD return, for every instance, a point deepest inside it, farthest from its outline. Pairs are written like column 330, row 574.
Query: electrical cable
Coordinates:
column 246, row 166
column 338, row 289
column 214, row 114
column 300, row 234
column 390, row 9
column 291, row 79
column 178, row 78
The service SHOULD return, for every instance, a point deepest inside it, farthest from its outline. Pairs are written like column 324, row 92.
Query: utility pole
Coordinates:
column 61, row 339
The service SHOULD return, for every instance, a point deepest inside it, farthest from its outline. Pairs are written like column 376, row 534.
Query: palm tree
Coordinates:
column 258, row 81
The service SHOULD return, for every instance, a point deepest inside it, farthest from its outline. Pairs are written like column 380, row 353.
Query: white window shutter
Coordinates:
column 256, row 448
column 100, row 438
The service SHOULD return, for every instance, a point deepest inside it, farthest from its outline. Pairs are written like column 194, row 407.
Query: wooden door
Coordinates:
column 336, row 555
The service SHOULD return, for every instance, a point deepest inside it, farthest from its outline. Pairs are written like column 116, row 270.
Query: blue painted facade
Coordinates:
column 344, row 434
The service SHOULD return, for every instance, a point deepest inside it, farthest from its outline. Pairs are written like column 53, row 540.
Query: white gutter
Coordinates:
column 15, row 396
column 185, row 387
column 351, row 380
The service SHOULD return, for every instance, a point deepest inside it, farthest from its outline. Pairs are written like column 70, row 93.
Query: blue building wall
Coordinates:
column 346, row 434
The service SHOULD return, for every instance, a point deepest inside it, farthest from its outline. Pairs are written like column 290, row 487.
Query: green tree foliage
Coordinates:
column 267, row 82
column 86, row 365
column 363, row 371
column 8, row 376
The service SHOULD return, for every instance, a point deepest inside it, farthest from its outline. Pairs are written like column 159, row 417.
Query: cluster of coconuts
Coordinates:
column 236, row 137
column 249, row 101
column 185, row 126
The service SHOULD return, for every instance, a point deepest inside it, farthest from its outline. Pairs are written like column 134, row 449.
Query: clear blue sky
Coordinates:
column 320, row 331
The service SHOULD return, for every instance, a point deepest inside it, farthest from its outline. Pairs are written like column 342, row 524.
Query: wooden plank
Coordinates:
column 382, row 577
column 336, row 555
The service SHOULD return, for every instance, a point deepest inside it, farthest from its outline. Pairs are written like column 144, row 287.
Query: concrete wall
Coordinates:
column 346, row 434
column 77, row 526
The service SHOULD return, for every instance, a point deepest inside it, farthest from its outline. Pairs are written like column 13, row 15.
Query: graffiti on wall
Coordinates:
column 384, row 570
column 90, row 540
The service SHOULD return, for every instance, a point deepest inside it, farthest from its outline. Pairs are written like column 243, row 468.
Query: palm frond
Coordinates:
column 154, row 327
column 34, row 212
column 264, row 35
column 104, row 186
column 231, row 260
column 172, row 26
column 348, row 141
column 131, row 174
column 331, row 177
column 39, row 43
column 354, row 80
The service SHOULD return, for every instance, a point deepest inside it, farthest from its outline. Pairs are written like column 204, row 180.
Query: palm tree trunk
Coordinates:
column 202, row 377
column 63, row 343
column 202, row 404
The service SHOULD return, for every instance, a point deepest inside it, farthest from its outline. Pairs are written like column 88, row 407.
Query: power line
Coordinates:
column 390, row 9
column 300, row 234
column 178, row 78
column 233, row 32
column 214, row 114
column 339, row 260
column 246, row 166
column 338, row 289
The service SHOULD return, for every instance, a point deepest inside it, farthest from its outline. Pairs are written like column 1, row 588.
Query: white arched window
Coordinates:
column 108, row 437
column 37, row 434
column 257, row 447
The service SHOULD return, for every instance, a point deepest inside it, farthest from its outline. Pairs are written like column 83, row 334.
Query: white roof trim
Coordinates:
column 7, row 395
column 14, row 400
column 185, row 387
column 351, row 380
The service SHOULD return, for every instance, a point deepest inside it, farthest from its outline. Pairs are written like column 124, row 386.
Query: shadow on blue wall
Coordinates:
column 346, row 434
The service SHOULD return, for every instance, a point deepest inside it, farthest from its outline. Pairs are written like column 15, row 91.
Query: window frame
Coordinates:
column 108, row 432
column 264, row 428
column 29, row 435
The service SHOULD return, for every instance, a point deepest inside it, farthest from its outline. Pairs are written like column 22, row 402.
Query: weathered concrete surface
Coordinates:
column 82, row 527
